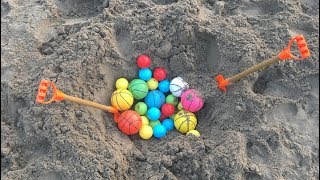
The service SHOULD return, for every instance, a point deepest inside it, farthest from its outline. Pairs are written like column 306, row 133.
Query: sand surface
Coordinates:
column 265, row 127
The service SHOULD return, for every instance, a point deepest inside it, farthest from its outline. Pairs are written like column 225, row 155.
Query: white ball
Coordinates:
column 178, row 86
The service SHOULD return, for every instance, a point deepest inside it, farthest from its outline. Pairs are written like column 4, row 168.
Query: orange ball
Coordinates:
column 130, row 122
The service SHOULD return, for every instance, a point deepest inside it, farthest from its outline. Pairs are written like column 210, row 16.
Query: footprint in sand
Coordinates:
column 296, row 121
column 81, row 8
column 124, row 41
column 164, row 2
column 257, row 8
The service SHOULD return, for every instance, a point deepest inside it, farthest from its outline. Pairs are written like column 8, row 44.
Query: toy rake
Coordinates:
column 283, row 55
column 59, row 96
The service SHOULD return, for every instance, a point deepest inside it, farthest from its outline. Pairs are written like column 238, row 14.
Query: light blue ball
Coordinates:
column 155, row 98
column 153, row 114
column 145, row 74
column 164, row 86
column 168, row 124
column 159, row 131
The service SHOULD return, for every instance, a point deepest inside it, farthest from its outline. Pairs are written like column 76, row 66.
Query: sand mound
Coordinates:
column 265, row 127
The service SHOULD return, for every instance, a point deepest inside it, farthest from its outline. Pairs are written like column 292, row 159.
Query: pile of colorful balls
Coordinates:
column 157, row 108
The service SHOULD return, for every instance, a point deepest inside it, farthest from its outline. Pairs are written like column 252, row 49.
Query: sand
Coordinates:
column 265, row 127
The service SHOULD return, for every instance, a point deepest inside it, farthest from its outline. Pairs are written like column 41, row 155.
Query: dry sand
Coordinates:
column 264, row 127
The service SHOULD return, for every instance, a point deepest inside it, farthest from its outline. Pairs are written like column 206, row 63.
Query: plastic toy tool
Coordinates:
column 283, row 55
column 59, row 96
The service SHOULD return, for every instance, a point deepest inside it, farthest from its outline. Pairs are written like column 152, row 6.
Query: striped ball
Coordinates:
column 121, row 99
column 155, row 98
column 138, row 88
column 191, row 100
column 130, row 122
column 185, row 121
column 178, row 86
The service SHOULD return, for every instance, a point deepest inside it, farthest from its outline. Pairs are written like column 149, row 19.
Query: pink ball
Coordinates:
column 191, row 100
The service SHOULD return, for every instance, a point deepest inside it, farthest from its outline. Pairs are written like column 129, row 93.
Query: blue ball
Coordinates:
column 153, row 114
column 164, row 86
column 168, row 124
column 145, row 74
column 155, row 98
column 159, row 131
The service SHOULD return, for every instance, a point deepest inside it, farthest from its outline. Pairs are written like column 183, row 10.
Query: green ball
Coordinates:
column 141, row 108
column 139, row 88
column 171, row 99
column 172, row 116
column 154, row 123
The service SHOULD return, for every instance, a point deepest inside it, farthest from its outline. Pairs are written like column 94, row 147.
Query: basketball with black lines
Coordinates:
column 122, row 99
column 139, row 89
column 191, row 100
column 185, row 121
column 178, row 86
column 130, row 122
column 155, row 98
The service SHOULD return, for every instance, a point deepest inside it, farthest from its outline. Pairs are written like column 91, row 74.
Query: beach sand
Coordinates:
column 265, row 127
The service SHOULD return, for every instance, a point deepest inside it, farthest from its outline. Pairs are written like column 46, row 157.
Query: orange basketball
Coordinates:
column 130, row 122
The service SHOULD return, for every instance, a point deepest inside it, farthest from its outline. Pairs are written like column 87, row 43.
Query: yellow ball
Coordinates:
column 145, row 132
column 180, row 107
column 122, row 83
column 194, row 132
column 185, row 121
column 145, row 120
column 122, row 99
column 152, row 84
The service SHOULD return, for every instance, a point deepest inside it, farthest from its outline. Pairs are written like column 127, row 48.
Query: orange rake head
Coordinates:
column 222, row 82
column 302, row 46
column 42, row 92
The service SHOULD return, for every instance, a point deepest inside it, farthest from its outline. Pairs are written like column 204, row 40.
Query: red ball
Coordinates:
column 159, row 74
column 162, row 117
column 130, row 122
column 167, row 109
column 143, row 61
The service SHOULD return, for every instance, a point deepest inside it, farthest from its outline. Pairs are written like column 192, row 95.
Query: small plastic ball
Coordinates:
column 146, row 132
column 159, row 131
column 145, row 120
column 171, row 99
column 122, row 99
column 164, row 86
column 130, row 122
column 178, row 86
column 185, row 121
column 167, row 109
column 154, row 123
column 145, row 74
column 191, row 100
column 139, row 88
column 122, row 83
column 155, row 98
column 152, row 84
column 143, row 61
column 153, row 114
column 194, row 132
column 180, row 107
column 168, row 123
column 159, row 74
column 141, row 108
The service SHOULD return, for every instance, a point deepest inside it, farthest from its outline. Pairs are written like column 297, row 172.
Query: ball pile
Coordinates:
column 159, row 104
